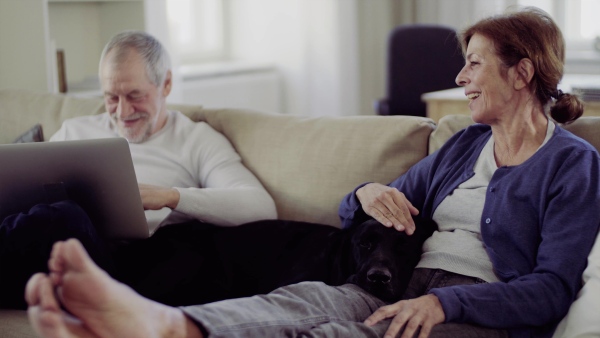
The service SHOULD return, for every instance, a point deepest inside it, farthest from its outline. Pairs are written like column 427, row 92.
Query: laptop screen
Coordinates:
column 97, row 174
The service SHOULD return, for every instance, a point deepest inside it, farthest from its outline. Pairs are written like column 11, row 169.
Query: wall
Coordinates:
column 461, row 13
column 331, row 53
column 259, row 89
column 156, row 25
column 66, row 23
column 24, row 50
column 375, row 21
column 82, row 28
column 311, row 42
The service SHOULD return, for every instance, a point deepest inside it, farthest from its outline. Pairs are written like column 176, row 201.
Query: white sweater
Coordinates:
column 214, row 185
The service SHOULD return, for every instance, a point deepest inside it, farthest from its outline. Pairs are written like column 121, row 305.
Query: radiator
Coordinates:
column 233, row 86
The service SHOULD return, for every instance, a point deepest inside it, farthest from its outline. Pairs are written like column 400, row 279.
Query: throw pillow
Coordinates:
column 35, row 134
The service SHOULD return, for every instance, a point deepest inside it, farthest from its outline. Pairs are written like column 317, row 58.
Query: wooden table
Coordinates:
column 454, row 102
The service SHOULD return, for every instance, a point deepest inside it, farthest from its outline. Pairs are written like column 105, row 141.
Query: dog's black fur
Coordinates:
column 385, row 258
column 192, row 264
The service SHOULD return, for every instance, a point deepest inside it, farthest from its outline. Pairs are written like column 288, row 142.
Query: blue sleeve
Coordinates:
column 350, row 210
column 413, row 184
column 567, row 230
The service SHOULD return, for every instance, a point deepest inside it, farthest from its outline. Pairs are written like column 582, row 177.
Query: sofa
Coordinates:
column 306, row 163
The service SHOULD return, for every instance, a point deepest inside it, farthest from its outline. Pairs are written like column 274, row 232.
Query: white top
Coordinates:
column 214, row 185
column 457, row 245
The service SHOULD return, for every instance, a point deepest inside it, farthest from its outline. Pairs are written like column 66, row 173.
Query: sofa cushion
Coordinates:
column 585, row 127
column 308, row 164
column 20, row 110
column 14, row 323
column 447, row 126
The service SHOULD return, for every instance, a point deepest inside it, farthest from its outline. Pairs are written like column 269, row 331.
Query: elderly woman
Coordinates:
column 507, row 193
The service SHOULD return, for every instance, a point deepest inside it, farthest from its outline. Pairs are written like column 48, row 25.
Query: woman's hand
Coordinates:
column 156, row 198
column 424, row 312
column 388, row 206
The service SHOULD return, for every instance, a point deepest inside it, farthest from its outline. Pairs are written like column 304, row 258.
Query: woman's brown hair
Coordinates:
column 531, row 33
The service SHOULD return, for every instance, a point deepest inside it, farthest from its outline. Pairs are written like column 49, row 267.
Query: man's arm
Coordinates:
column 156, row 197
column 232, row 196
column 226, row 192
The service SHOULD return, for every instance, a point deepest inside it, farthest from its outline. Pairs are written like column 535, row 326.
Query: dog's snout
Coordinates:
column 379, row 275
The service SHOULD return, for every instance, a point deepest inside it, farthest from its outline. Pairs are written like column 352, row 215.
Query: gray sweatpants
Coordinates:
column 314, row 309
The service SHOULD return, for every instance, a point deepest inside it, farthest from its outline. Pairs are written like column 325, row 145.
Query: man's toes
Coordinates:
column 32, row 296
column 76, row 256
column 45, row 323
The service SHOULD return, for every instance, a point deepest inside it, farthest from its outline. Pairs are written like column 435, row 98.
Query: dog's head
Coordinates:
column 385, row 257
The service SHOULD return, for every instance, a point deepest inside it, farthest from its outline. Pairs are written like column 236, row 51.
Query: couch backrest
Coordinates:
column 22, row 109
column 586, row 127
column 308, row 164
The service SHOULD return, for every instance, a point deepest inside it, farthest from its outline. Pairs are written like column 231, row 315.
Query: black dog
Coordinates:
column 385, row 258
column 199, row 264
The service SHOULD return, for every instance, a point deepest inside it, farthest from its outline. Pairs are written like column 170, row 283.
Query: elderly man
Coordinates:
column 181, row 165
column 187, row 173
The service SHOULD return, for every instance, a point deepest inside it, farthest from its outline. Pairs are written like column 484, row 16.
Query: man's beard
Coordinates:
column 138, row 134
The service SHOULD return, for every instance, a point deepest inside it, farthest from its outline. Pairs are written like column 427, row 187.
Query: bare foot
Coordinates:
column 100, row 306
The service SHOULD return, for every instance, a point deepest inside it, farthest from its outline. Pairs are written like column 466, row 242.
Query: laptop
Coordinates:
column 97, row 174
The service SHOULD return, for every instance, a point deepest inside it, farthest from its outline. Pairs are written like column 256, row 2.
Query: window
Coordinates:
column 196, row 28
column 578, row 20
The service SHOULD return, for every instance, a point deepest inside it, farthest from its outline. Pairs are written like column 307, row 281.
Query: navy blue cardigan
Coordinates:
column 538, row 224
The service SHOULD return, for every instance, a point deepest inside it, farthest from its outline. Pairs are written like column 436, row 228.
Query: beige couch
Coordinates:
column 307, row 163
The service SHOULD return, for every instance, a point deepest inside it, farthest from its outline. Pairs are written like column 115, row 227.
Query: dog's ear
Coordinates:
column 344, row 261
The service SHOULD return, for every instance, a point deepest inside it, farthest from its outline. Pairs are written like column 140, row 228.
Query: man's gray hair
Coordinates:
column 156, row 58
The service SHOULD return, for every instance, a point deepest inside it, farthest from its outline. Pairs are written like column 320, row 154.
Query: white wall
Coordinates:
column 273, row 36
column 258, row 90
column 24, row 51
column 156, row 25
column 375, row 22
column 81, row 52
column 331, row 54
column 82, row 29
column 462, row 13
column 314, row 45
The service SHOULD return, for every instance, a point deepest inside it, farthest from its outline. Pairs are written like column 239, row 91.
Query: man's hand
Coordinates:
column 156, row 198
column 388, row 206
column 424, row 312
